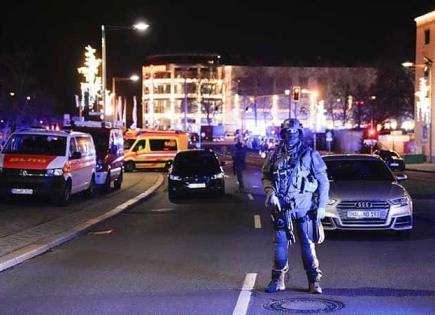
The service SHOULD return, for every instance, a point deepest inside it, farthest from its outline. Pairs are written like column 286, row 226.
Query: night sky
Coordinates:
column 312, row 32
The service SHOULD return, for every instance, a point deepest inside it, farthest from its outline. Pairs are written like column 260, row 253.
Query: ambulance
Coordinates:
column 145, row 149
column 51, row 163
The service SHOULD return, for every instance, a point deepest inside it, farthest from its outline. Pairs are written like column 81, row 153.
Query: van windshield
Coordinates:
column 36, row 144
column 128, row 143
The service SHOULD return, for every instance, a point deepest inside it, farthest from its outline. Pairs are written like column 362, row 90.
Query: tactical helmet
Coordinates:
column 291, row 123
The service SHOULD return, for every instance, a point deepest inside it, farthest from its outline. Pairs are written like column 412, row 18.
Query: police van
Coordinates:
column 56, row 164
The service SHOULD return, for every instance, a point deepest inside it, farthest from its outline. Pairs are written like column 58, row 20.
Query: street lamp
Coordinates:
column 140, row 27
column 424, row 105
column 288, row 93
column 133, row 78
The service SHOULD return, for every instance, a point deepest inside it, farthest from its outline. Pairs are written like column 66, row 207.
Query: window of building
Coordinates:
column 179, row 106
column 208, row 88
column 191, row 88
column 162, row 75
column 189, row 73
column 427, row 36
column 162, row 89
column 161, row 106
column 178, row 89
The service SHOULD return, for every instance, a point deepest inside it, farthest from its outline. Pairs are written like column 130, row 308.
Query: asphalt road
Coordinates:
column 23, row 212
column 192, row 258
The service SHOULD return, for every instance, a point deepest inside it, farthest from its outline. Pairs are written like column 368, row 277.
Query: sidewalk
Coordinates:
column 36, row 240
column 421, row 167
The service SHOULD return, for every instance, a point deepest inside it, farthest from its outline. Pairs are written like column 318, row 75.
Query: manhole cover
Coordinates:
column 304, row 305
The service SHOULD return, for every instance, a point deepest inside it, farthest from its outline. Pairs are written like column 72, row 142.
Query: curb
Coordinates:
column 417, row 170
column 43, row 245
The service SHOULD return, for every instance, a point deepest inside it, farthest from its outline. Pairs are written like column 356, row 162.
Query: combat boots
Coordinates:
column 278, row 281
column 314, row 287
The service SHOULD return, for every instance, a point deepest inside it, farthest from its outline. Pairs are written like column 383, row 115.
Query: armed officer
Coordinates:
column 297, row 188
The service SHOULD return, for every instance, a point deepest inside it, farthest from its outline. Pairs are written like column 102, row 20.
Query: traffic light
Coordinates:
column 296, row 93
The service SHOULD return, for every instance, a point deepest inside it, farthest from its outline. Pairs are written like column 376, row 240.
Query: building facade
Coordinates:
column 184, row 92
column 424, row 85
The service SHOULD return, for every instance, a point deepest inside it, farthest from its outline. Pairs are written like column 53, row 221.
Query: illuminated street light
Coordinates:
column 28, row 98
column 140, row 27
column 134, row 77
column 12, row 93
column 287, row 92
column 407, row 64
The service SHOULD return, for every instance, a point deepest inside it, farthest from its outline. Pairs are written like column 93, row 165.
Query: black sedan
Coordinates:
column 392, row 158
column 195, row 171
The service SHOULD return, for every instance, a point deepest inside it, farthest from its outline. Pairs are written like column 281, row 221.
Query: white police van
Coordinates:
column 45, row 162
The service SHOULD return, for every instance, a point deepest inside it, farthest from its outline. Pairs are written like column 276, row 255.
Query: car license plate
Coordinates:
column 363, row 214
column 20, row 191
column 394, row 164
column 196, row 185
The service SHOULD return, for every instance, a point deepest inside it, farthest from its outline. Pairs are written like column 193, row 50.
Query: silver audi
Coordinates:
column 365, row 195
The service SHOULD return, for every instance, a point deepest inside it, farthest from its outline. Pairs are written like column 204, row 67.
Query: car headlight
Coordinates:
column 331, row 202
column 218, row 176
column 55, row 172
column 402, row 201
column 175, row 177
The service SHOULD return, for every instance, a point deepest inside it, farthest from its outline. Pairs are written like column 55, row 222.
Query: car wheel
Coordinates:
column 64, row 197
column 118, row 181
column 89, row 193
column 129, row 166
column 107, row 187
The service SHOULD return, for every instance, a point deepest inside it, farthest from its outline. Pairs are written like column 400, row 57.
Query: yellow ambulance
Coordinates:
column 145, row 149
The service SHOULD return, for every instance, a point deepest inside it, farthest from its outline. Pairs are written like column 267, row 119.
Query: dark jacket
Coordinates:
column 239, row 156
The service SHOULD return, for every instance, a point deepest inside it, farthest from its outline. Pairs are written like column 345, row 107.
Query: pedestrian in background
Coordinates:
column 239, row 161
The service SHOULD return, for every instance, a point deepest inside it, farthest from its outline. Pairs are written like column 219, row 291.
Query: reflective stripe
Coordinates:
column 27, row 161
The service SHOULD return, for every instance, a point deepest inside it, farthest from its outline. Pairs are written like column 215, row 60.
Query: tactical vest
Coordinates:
column 292, row 176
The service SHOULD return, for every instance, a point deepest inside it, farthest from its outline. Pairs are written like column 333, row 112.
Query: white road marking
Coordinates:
column 163, row 210
column 257, row 221
column 250, row 197
column 101, row 232
column 245, row 294
column 227, row 176
column 255, row 186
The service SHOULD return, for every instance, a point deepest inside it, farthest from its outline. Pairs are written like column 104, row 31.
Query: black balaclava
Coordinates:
column 292, row 141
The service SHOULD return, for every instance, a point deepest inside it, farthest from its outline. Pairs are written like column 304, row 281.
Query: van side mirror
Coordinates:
column 401, row 177
column 76, row 155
